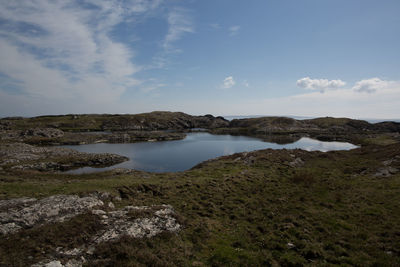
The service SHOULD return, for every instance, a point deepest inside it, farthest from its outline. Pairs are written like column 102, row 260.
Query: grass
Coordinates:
column 332, row 211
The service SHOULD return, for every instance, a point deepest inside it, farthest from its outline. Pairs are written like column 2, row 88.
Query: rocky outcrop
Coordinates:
column 389, row 167
column 19, row 156
column 21, row 135
column 157, row 120
column 131, row 221
column 43, row 132
column 153, row 121
column 28, row 212
column 327, row 127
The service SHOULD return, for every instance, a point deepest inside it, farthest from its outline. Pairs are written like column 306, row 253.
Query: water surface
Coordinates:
column 180, row 155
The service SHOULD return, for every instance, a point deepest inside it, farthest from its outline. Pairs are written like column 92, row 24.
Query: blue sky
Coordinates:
column 224, row 57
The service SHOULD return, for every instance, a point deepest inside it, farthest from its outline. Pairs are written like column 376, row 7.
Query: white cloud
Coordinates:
column 343, row 102
column 319, row 84
column 179, row 22
column 228, row 82
column 64, row 52
column 370, row 85
column 246, row 83
column 233, row 30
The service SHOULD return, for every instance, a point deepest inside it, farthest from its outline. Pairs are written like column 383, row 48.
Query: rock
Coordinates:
column 73, row 252
column 250, row 160
column 131, row 221
column 99, row 212
column 298, row 162
column 19, row 156
column 48, row 264
column 119, row 225
column 386, row 172
column 54, row 264
column 111, row 205
column 43, row 132
column 52, row 209
column 290, row 245
column 119, row 171
column 387, row 162
column 16, row 202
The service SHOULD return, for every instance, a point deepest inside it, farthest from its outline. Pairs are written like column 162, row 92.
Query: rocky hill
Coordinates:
column 157, row 120
column 338, row 125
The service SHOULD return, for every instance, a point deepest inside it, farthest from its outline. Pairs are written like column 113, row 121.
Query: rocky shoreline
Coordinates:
column 20, row 156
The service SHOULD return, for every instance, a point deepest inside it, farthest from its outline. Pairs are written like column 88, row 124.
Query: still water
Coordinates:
column 180, row 155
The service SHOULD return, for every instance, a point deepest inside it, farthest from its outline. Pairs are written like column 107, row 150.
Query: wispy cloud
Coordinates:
column 228, row 82
column 63, row 49
column 246, row 83
column 233, row 30
column 179, row 23
column 319, row 84
column 152, row 87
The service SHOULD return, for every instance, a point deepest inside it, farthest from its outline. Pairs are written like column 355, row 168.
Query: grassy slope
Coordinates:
column 333, row 210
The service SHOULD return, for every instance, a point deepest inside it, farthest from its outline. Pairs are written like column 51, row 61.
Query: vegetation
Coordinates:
column 245, row 209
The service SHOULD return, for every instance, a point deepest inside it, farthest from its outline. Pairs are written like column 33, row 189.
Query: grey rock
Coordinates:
column 43, row 132
column 388, row 162
column 118, row 223
column 53, row 263
column 290, row 245
column 19, row 156
column 386, row 172
column 298, row 162
column 52, row 209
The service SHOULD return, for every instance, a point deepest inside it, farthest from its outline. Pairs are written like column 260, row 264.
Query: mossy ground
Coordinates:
column 263, row 212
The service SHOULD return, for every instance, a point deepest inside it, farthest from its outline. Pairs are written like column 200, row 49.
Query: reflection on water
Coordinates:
column 180, row 155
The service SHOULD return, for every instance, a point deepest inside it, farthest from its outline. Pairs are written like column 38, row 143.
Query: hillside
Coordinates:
column 157, row 120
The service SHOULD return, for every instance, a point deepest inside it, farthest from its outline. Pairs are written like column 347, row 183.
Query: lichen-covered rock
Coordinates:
column 26, row 213
column 118, row 223
column 131, row 221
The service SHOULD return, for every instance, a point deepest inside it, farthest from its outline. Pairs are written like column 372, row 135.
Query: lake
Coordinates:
column 180, row 155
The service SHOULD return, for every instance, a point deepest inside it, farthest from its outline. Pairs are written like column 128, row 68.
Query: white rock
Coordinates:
column 56, row 208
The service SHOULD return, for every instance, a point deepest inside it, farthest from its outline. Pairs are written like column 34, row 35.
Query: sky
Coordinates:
column 312, row 58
